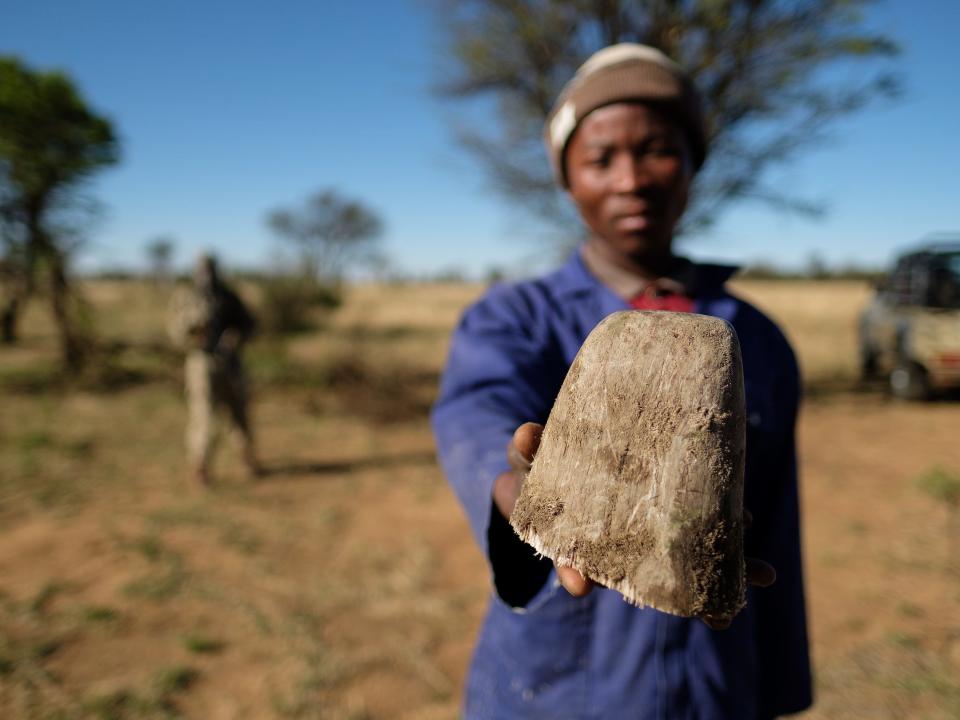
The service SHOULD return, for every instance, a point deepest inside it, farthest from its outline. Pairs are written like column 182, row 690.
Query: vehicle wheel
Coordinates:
column 908, row 381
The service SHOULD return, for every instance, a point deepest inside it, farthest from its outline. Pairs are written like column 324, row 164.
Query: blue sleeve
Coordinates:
column 784, row 682
column 503, row 370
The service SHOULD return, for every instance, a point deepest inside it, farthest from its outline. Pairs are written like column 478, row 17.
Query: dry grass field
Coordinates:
column 344, row 583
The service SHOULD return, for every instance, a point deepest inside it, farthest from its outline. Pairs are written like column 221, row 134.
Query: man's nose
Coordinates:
column 630, row 175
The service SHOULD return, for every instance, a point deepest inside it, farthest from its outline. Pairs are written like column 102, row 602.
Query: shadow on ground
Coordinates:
column 825, row 388
column 272, row 471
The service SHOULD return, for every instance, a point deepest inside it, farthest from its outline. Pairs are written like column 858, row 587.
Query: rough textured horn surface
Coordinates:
column 638, row 481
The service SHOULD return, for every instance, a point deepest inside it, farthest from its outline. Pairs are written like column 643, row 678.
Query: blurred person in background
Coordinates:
column 212, row 324
column 625, row 138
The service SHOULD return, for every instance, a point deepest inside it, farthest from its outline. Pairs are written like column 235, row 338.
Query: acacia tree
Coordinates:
column 760, row 64
column 50, row 143
column 159, row 254
column 330, row 232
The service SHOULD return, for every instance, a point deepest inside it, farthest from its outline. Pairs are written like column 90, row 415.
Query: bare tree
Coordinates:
column 160, row 255
column 330, row 232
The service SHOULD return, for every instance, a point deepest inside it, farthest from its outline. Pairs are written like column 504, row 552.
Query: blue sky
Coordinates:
column 230, row 109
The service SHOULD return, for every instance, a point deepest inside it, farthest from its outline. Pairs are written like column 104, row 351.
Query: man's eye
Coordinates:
column 598, row 160
column 662, row 151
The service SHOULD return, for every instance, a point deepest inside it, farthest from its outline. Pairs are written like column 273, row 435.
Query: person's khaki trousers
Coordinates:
column 213, row 382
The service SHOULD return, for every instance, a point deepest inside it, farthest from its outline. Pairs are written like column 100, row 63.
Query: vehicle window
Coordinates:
column 945, row 282
column 920, row 273
column 953, row 263
column 926, row 279
column 899, row 285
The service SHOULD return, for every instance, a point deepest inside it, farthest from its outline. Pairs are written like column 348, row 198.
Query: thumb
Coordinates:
column 526, row 439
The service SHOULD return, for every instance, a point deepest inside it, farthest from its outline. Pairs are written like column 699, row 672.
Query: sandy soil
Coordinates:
column 344, row 584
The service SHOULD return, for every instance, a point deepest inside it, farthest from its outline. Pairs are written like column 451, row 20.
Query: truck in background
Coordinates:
column 910, row 331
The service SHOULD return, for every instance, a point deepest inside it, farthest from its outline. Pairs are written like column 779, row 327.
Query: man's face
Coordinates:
column 629, row 173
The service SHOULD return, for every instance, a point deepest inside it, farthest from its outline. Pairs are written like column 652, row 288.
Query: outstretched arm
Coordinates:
column 503, row 369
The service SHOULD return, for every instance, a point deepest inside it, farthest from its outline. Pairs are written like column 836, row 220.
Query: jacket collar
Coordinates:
column 698, row 279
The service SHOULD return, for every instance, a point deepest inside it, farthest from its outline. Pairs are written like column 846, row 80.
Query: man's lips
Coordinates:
column 632, row 222
column 636, row 219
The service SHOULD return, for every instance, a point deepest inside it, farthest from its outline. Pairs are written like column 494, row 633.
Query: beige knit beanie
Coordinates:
column 622, row 73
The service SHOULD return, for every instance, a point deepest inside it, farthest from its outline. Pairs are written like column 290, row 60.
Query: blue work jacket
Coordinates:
column 542, row 653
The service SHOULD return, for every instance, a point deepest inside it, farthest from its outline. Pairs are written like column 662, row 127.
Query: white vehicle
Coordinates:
column 910, row 331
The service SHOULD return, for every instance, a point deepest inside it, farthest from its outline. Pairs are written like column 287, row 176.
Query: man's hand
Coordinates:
column 520, row 453
column 759, row 573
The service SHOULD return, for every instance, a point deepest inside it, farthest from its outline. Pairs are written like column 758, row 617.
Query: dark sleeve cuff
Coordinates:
column 519, row 572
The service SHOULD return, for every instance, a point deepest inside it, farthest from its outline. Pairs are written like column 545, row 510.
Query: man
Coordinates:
column 625, row 138
column 212, row 324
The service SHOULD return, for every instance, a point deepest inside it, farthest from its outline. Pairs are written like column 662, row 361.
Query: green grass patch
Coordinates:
column 161, row 585
column 41, row 467
column 201, row 644
column 158, row 702
column 150, row 547
column 99, row 614
column 232, row 532
column 171, row 681
column 126, row 704
column 856, row 624
column 79, row 448
column 942, row 485
column 35, row 440
column 902, row 640
column 41, row 601
column 37, row 378
column 241, row 538
column 45, row 648
column 930, row 681
column 857, row 527
column 117, row 705
column 167, row 577
column 910, row 610
column 197, row 515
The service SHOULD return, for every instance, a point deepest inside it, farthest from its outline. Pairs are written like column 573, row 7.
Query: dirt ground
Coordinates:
column 344, row 584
